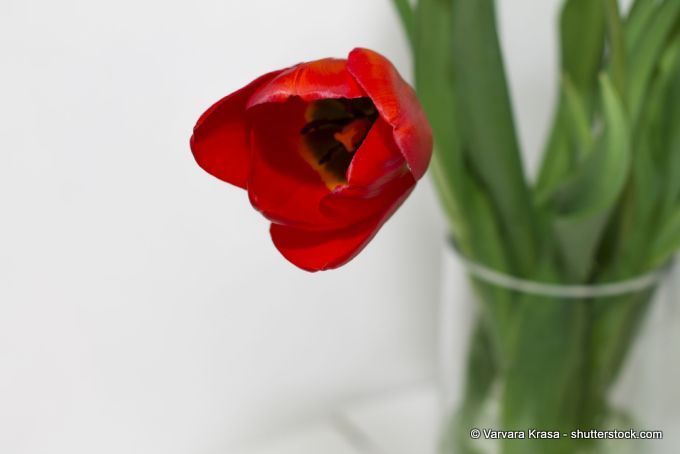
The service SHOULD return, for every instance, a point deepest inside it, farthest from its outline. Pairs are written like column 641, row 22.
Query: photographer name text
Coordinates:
column 536, row 434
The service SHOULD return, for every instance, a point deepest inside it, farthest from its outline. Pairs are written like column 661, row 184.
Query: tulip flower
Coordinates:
column 327, row 151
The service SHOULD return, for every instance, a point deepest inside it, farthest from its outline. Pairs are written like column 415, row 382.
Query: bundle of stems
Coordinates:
column 604, row 207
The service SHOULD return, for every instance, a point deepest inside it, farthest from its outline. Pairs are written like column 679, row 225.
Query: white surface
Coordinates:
column 403, row 421
column 143, row 308
column 320, row 437
column 141, row 300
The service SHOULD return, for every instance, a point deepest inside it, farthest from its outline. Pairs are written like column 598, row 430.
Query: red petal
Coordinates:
column 219, row 142
column 320, row 79
column 398, row 105
column 323, row 250
column 355, row 204
column 281, row 184
column 378, row 159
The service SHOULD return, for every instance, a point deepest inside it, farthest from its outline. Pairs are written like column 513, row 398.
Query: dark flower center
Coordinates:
column 333, row 132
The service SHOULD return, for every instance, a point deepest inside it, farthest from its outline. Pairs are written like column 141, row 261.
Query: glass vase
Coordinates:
column 533, row 368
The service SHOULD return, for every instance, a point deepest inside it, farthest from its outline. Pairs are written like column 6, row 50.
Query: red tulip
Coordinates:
column 327, row 151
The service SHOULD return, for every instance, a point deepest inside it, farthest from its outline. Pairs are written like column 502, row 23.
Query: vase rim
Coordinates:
column 572, row 291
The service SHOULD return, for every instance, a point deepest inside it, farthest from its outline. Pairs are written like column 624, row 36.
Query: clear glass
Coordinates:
column 528, row 361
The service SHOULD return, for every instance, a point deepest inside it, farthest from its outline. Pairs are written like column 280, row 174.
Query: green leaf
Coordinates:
column 646, row 53
column 487, row 123
column 558, row 157
column 578, row 119
column 579, row 239
column 585, row 201
column 617, row 47
column 670, row 81
column 582, row 29
column 598, row 181
column 638, row 18
column 655, row 171
column 641, row 208
column 667, row 241
column 572, row 135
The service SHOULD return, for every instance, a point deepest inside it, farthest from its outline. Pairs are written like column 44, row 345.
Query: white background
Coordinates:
column 143, row 308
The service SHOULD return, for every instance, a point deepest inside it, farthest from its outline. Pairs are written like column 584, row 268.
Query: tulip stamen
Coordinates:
column 329, row 154
column 334, row 130
column 321, row 124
